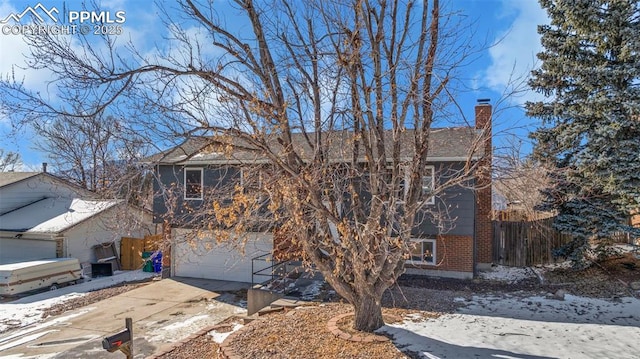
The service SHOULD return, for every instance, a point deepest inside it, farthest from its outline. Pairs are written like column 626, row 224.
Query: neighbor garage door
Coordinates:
column 14, row 250
column 204, row 258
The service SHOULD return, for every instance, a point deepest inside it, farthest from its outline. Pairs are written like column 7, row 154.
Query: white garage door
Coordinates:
column 14, row 250
column 204, row 258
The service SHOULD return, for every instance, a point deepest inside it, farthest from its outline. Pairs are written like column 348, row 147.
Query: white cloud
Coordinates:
column 514, row 55
column 113, row 4
column 12, row 61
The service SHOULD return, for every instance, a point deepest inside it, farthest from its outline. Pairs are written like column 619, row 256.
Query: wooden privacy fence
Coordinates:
column 131, row 251
column 523, row 244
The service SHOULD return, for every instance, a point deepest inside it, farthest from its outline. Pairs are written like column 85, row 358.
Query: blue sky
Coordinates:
column 508, row 24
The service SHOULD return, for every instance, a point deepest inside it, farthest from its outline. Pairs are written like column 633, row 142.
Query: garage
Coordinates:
column 204, row 258
column 14, row 250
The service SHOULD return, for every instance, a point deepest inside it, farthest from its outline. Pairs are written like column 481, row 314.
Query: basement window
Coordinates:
column 193, row 183
column 423, row 251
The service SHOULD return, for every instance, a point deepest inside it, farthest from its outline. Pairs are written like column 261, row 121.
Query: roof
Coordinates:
column 7, row 178
column 445, row 144
column 53, row 215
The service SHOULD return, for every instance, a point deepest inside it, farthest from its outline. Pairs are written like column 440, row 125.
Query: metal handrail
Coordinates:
column 269, row 271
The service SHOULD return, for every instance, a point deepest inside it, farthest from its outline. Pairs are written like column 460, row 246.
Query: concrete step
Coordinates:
column 288, row 302
column 269, row 310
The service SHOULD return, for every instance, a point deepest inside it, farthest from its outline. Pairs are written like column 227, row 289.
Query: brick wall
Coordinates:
column 453, row 253
column 484, row 229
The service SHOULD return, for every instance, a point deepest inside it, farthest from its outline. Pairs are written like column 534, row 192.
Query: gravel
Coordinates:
column 302, row 333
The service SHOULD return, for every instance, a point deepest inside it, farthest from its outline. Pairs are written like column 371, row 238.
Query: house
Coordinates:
column 185, row 172
column 43, row 216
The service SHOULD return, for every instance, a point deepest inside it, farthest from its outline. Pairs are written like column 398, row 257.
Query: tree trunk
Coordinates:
column 368, row 315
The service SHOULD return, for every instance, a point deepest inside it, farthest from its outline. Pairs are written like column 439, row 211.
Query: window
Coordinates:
column 427, row 183
column 428, row 180
column 423, row 251
column 193, row 183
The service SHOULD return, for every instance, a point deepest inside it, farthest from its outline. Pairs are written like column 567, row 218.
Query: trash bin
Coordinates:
column 152, row 262
column 148, row 262
column 157, row 262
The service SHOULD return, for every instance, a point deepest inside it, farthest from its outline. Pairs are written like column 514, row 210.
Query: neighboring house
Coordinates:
column 43, row 216
column 185, row 172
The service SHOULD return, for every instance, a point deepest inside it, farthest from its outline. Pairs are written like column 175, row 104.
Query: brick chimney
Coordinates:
column 484, row 227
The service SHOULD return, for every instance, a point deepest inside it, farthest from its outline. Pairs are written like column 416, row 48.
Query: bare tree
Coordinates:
column 9, row 161
column 337, row 99
column 99, row 153
column 520, row 180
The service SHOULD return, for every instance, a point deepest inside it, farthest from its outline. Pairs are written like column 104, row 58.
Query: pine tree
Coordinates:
column 590, row 133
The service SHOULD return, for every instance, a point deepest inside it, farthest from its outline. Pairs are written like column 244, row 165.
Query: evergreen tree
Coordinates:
column 590, row 133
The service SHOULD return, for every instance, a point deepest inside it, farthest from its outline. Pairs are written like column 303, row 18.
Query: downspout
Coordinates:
column 475, row 236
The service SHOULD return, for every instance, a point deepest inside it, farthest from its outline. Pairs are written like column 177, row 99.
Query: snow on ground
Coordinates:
column 532, row 328
column 220, row 337
column 507, row 274
column 312, row 291
column 28, row 310
column 515, row 274
column 184, row 325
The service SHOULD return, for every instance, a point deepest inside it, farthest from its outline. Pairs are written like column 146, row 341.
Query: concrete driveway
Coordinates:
column 163, row 312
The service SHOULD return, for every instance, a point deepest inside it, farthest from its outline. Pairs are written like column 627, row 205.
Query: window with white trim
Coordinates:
column 423, row 251
column 428, row 181
column 193, row 183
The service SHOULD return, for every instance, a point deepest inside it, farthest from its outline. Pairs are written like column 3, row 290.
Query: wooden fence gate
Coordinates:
column 131, row 251
column 523, row 244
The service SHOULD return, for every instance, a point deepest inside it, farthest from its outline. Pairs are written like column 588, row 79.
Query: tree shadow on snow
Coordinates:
column 573, row 309
column 418, row 346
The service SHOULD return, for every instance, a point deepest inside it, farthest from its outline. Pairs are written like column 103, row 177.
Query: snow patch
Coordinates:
column 494, row 326
column 507, row 274
column 220, row 337
column 312, row 291
column 24, row 340
column 186, row 323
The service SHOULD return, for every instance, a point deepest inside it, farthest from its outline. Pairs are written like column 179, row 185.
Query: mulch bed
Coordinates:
column 303, row 333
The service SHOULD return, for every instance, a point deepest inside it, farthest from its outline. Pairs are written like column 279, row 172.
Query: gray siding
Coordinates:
column 453, row 212
column 169, row 189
